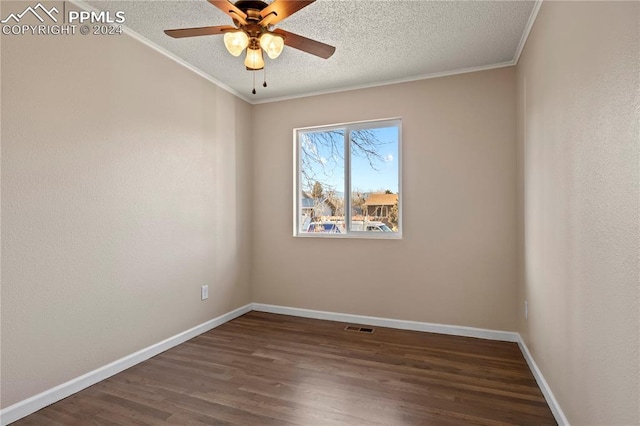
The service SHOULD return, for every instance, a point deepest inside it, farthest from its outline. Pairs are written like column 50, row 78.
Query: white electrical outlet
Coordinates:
column 204, row 292
column 526, row 310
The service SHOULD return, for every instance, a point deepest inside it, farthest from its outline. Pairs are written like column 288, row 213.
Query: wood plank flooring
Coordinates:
column 267, row 369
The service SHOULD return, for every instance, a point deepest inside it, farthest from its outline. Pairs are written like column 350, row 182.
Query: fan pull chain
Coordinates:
column 254, row 83
column 264, row 75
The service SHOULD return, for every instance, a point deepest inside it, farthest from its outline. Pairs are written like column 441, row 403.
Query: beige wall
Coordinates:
column 578, row 109
column 125, row 187
column 457, row 261
column 128, row 182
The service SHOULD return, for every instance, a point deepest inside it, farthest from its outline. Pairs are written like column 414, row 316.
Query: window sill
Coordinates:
column 352, row 235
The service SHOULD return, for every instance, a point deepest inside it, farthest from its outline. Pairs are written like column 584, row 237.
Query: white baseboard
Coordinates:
column 35, row 403
column 455, row 330
column 48, row 397
column 544, row 386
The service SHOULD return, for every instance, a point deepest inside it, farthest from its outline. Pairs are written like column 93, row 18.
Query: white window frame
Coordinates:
column 297, row 179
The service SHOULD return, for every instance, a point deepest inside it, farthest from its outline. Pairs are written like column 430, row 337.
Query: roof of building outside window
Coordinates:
column 381, row 200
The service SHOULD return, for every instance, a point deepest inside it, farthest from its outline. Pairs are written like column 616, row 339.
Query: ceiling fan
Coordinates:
column 253, row 31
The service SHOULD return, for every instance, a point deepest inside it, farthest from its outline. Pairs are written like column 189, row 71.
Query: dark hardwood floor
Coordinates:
column 266, row 369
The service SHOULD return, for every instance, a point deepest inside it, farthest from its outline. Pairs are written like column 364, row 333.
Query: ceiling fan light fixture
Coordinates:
column 272, row 43
column 236, row 42
column 254, row 60
column 253, row 21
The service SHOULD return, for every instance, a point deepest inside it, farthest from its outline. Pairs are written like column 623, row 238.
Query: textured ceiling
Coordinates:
column 376, row 42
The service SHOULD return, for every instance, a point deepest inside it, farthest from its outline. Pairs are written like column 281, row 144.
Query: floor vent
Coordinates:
column 359, row 329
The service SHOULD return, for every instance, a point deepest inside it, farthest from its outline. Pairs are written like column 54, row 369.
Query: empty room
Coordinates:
column 330, row 212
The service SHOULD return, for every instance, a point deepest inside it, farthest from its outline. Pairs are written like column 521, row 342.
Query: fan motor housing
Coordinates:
column 245, row 5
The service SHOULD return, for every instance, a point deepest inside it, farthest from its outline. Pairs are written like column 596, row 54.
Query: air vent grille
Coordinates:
column 359, row 329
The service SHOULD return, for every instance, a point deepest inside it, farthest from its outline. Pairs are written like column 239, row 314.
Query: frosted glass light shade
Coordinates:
column 236, row 42
column 272, row 44
column 254, row 60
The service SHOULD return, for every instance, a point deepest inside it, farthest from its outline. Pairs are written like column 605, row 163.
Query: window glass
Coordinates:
column 321, row 193
column 348, row 180
column 374, row 179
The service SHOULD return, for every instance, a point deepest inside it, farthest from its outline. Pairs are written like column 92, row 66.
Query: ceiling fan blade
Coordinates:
column 202, row 31
column 306, row 44
column 280, row 9
column 230, row 9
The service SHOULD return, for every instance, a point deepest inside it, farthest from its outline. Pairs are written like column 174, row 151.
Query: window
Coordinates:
column 347, row 180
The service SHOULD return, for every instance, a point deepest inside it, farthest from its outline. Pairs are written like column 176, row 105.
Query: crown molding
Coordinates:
column 532, row 17
column 137, row 36
column 527, row 31
column 388, row 83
